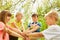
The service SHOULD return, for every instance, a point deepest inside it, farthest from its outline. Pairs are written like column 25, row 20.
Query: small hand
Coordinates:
column 26, row 37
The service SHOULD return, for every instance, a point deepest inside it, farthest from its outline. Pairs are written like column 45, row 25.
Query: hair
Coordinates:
column 3, row 15
column 33, row 15
column 18, row 13
column 52, row 14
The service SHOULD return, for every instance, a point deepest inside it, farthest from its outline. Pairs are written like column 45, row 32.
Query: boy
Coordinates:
column 17, row 24
column 53, row 31
column 32, row 26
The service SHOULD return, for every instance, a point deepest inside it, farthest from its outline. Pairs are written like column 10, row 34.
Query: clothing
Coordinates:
column 13, row 38
column 18, row 24
column 3, row 34
column 38, row 30
column 52, row 33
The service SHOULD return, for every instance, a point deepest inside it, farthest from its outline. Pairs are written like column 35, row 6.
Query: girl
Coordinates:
column 5, row 30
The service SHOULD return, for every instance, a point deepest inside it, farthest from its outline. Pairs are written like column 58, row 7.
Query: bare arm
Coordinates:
column 37, row 34
column 33, row 29
column 13, row 33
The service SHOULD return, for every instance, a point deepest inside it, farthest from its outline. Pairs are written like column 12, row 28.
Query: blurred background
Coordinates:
column 28, row 7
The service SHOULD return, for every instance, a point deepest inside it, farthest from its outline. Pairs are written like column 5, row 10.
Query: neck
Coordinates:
column 34, row 21
column 18, row 20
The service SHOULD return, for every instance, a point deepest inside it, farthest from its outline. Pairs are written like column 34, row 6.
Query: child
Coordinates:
column 5, row 30
column 53, row 31
column 32, row 27
column 17, row 24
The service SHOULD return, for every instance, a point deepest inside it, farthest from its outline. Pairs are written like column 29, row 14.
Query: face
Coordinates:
column 49, row 21
column 8, row 19
column 35, row 19
column 19, row 17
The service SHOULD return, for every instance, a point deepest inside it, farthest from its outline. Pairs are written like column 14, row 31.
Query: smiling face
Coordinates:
column 50, row 21
column 8, row 18
column 5, row 16
column 51, row 18
column 35, row 19
column 19, row 16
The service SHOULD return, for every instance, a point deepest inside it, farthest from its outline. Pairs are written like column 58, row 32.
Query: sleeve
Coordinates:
column 1, row 26
column 39, row 24
column 29, row 25
column 49, row 33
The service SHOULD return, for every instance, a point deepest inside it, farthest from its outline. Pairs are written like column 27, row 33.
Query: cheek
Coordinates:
column 17, row 17
column 20, row 17
column 47, row 21
column 8, row 18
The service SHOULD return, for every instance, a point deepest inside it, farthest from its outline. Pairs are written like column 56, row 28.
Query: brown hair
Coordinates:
column 33, row 15
column 18, row 13
column 52, row 14
column 3, row 15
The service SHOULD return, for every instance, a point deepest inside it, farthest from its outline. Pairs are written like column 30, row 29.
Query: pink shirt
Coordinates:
column 3, row 35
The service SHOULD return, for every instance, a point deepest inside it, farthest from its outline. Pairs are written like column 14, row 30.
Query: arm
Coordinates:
column 17, row 31
column 33, row 29
column 38, row 34
column 13, row 24
column 22, row 27
column 13, row 33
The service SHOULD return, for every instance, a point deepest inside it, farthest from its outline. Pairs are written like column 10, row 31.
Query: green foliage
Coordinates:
column 6, row 6
column 41, row 13
column 45, row 7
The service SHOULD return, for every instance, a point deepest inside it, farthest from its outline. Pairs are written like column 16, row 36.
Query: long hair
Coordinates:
column 3, row 15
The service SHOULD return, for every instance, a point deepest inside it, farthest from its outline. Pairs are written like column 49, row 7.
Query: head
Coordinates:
column 19, row 16
column 5, row 16
column 51, row 17
column 34, row 17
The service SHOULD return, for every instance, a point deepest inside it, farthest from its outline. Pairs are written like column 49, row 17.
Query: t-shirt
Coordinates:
column 52, row 33
column 3, row 35
column 18, row 24
column 38, row 30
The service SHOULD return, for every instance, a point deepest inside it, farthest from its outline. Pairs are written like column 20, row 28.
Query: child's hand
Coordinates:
column 13, row 24
column 33, row 25
column 26, row 37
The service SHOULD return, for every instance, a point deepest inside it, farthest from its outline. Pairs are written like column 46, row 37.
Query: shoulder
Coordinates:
column 39, row 23
column 54, row 26
column 2, row 25
column 29, row 24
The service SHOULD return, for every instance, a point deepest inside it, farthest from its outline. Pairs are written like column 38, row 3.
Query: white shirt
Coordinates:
column 52, row 33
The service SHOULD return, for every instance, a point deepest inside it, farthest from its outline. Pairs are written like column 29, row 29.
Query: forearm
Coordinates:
column 23, row 29
column 16, row 30
column 34, row 29
column 38, row 34
column 14, row 33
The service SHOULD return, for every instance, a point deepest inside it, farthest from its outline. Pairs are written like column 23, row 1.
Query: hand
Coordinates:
column 24, row 34
column 13, row 24
column 26, row 37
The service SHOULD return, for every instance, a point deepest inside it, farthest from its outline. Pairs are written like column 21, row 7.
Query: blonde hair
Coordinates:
column 19, row 13
column 52, row 14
